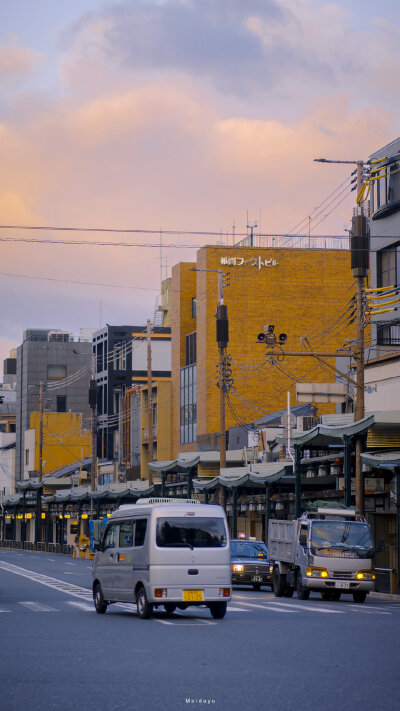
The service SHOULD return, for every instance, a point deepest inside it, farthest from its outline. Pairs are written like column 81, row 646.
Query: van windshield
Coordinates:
column 179, row 532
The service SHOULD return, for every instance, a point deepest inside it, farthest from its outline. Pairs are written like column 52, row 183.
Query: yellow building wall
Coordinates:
column 64, row 440
column 301, row 293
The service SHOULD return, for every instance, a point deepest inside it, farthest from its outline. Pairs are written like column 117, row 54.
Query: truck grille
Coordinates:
column 341, row 574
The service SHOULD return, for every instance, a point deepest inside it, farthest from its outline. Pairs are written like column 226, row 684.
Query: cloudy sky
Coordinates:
column 176, row 115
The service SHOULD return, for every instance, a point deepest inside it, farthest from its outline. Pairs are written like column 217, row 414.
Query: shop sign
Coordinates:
column 257, row 262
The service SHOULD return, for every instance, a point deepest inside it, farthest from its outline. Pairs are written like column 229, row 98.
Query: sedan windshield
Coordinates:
column 341, row 538
column 191, row 532
column 249, row 549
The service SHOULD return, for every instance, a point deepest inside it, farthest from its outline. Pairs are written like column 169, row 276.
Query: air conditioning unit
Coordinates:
column 304, row 423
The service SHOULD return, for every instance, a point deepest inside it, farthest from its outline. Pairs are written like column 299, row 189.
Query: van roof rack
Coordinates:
column 166, row 500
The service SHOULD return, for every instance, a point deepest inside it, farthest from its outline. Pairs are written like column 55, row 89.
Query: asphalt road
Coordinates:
column 267, row 653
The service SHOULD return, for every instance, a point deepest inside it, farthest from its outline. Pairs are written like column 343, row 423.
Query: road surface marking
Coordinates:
column 267, row 608
column 81, row 605
column 4, row 609
column 60, row 585
column 178, row 622
column 231, row 608
column 309, row 608
column 38, row 607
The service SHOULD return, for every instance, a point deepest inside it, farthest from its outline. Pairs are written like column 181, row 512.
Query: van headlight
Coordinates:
column 313, row 572
column 237, row 567
column 366, row 575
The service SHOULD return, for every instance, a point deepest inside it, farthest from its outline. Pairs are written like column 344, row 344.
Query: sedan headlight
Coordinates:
column 365, row 575
column 313, row 572
column 237, row 567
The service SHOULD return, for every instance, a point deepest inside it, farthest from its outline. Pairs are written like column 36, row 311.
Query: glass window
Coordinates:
column 110, row 536
column 140, row 531
column 126, row 534
column 61, row 403
column 120, row 356
column 249, row 549
column 387, row 266
column 27, row 456
column 194, row 307
column 56, row 372
column 341, row 538
column 192, row 533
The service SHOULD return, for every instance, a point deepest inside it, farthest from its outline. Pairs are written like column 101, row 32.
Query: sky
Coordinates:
column 174, row 117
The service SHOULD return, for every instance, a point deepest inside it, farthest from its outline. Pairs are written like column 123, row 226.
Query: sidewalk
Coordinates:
column 385, row 596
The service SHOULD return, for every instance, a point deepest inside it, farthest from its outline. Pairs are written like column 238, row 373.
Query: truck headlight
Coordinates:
column 313, row 572
column 365, row 575
column 237, row 567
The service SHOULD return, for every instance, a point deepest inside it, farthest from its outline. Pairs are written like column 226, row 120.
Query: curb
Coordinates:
column 384, row 596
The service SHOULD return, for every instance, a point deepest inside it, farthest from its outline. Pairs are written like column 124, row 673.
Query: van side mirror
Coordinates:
column 303, row 538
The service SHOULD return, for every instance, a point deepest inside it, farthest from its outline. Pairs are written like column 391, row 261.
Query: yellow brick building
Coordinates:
column 304, row 293
column 64, row 441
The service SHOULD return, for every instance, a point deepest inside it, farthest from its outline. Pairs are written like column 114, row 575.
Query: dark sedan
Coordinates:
column 249, row 563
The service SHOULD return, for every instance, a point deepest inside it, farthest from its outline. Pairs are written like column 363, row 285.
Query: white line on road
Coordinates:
column 309, row 608
column 60, row 585
column 38, row 607
column 267, row 608
column 81, row 605
column 4, row 609
column 179, row 623
column 231, row 608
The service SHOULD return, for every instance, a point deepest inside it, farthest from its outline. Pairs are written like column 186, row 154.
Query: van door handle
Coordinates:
column 193, row 571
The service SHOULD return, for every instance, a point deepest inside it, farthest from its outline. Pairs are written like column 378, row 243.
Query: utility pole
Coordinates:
column 150, row 404
column 92, row 405
column 222, row 341
column 359, row 244
column 41, row 431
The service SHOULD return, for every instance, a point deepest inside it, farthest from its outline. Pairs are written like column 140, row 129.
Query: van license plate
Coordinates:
column 193, row 596
column 256, row 579
column 342, row 585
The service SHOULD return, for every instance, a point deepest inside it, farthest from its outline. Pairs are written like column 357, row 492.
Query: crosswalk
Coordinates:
column 235, row 609
column 241, row 604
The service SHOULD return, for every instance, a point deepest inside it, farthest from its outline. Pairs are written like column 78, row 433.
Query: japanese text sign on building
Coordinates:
column 258, row 262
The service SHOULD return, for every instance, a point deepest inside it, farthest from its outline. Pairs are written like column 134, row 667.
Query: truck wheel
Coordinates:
column 144, row 608
column 302, row 593
column 99, row 601
column 278, row 583
column 359, row 596
column 218, row 610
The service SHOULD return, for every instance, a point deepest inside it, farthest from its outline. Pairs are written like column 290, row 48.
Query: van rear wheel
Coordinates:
column 99, row 601
column 144, row 608
column 218, row 610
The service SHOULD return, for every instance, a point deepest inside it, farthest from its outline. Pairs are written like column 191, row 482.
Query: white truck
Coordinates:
column 326, row 550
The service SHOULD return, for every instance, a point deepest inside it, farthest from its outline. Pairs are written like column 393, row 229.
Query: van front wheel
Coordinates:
column 99, row 601
column 144, row 608
column 218, row 610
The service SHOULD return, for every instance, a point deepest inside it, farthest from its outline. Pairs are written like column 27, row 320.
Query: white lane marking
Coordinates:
column 60, row 585
column 4, row 609
column 81, row 605
column 53, row 560
column 368, row 612
column 231, row 608
column 179, row 623
column 38, row 607
column 267, row 608
column 310, row 608
column 70, row 563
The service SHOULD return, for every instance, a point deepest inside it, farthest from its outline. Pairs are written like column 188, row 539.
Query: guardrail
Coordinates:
column 60, row 548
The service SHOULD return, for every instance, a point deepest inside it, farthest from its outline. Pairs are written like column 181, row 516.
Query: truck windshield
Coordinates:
column 191, row 532
column 348, row 539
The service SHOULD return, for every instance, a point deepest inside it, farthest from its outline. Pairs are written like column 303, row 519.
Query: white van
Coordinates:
column 164, row 552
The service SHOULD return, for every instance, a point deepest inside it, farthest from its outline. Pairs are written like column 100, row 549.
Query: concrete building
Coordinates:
column 299, row 291
column 63, row 365
column 120, row 354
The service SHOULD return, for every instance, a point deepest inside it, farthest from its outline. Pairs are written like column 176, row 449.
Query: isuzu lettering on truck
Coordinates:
column 326, row 550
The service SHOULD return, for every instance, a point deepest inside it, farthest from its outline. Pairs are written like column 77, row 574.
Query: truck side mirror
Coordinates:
column 303, row 538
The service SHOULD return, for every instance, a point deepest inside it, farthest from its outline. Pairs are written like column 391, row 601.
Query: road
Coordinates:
column 268, row 653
